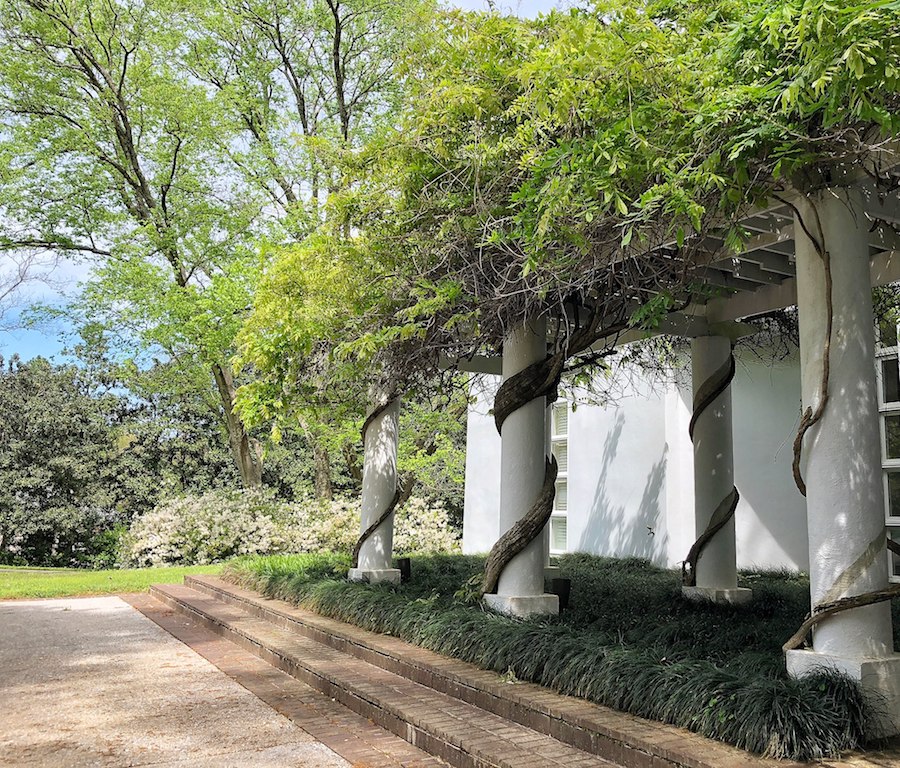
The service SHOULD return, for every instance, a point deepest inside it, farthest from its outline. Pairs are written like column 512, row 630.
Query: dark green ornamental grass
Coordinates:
column 628, row 640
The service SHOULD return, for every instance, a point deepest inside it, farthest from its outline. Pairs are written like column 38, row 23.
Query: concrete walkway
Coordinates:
column 92, row 682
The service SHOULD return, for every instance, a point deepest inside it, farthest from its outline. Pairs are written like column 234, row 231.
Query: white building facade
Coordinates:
column 626, row 476
column 626, row 479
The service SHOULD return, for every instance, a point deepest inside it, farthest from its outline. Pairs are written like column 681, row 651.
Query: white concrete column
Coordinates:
column 520, row 590
column 379, row 487
column 841, row 453
column 716, row 575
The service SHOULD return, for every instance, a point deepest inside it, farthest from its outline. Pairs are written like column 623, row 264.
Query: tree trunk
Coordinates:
column 321, row 462
column 352, row 462
column 246, row 451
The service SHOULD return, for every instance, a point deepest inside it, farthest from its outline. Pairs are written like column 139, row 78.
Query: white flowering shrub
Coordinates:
column 419, row 526
column 316, row 526
column 218, row 525
column 204, row 529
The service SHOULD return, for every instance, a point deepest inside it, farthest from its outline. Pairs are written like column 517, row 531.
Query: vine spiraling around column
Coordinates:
column 706, row 395
column 540, row 379
column 811, row 416
column 374, row 414
column 523, row 532
column 399, row 495
column 824, row 610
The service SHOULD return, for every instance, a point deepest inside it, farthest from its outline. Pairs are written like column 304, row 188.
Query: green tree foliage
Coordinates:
column 66, row 472
column 82, row 456
column 106, row 154
column 326, row 287
column 313, row 297
column 571, row 165
column 174, row 144
column 302, row 83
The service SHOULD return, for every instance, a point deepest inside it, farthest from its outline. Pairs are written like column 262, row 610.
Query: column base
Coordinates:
column 736, row 596
column 375, row 576
column 522, row 607
column 880, row 677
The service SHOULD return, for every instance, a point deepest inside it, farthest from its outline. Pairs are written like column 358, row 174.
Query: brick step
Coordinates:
column 621, row 738
column 358, row 740
column 459, row 733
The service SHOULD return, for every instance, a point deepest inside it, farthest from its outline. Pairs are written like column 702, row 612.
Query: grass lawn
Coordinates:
column 628, row 640
column 67, row 582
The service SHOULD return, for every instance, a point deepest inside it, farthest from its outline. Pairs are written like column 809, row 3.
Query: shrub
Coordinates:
column 319, row 526
column 217, row 525
column 106, row 548
column 206, row 529
column 419, row 526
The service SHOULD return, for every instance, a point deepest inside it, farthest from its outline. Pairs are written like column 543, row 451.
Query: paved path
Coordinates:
column 352, row 736
column 92, row 682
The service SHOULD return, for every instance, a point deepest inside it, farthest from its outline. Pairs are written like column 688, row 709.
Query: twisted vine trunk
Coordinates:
column 541, row 379
column 538, row 380
column 811, row 416
column 523, row 532
column 846, row 517
column 405, row 487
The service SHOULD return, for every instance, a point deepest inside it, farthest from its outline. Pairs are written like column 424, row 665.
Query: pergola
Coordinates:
column 822, row 251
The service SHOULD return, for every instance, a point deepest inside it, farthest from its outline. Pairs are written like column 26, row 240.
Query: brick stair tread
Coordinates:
column 487, row 736
column 669, row 743
column 353, row 737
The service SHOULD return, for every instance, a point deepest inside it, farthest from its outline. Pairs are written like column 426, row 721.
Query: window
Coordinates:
column 559, row 445
column 894, row 571
column 887, row 369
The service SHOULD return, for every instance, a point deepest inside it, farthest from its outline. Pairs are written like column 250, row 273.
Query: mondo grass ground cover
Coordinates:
column 21, row 583
column 628, row 640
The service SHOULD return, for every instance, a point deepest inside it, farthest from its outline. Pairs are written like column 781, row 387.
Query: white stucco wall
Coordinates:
column 617, row 477
column 631, row 472
column 771, row 518
column 481, row 517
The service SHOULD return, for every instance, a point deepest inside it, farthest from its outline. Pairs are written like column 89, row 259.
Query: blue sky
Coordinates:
column 29, row 343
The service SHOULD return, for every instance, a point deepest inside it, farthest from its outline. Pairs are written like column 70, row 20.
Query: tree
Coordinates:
column 107, row 151
column 117, row 111
column 61, row 461
column 306, row 84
